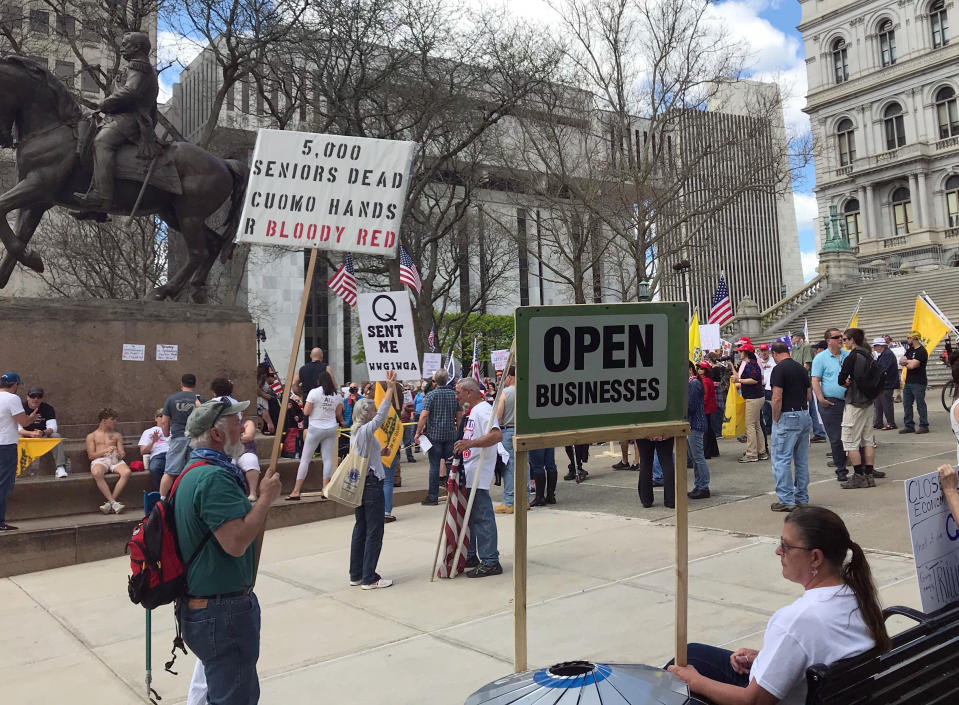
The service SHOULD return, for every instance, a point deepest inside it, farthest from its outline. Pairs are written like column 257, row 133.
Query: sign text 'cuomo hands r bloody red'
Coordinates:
column 326, row 191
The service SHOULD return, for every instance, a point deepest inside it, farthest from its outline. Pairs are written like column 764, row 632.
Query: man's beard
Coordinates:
column 234, row 450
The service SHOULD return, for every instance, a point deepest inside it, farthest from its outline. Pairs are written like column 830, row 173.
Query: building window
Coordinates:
column 902, row 211
column 946, row 112
column 88, row 81
column 88, row 32
column 893, row 124
column 847, row 142
column 66, row 25
column 65, row 71
column 939, row 24
column 840, row 60
column 12, row 18
column 887, row 43
column 952, row 200
column 39, row 21
column 850, row 212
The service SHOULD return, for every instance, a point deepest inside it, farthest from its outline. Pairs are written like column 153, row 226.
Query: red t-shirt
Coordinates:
column 709, row 401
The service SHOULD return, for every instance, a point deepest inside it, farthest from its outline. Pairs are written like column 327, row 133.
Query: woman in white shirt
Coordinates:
column 324, row 406
column 837, row 616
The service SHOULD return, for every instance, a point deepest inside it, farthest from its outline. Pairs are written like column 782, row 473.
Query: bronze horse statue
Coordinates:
column 50, row 172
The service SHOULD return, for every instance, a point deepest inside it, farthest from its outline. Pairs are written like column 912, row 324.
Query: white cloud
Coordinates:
column 806, row 210
column 810, row 260
column 173, row 48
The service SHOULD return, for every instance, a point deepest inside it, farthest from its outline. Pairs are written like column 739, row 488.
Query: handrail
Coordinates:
column 785, row 306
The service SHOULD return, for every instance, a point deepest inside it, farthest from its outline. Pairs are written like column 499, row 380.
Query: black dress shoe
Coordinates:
column 698, row 494
column 429, row 502
column 538, row 502
column 472, row 562
column 485, row 569
column 551, row 499
column 621, row 466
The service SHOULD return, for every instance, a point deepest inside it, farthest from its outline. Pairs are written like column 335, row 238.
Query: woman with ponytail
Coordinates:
column 837, row 616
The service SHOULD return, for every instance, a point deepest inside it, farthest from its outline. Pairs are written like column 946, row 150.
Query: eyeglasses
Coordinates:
column 847, row 339
column 35, row 396
column 783, row 546
column 835, row 337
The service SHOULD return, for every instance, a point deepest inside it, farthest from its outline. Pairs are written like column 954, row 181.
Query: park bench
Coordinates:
column 922, row 668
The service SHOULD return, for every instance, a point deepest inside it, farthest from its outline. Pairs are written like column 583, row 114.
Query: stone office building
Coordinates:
column 882, row 95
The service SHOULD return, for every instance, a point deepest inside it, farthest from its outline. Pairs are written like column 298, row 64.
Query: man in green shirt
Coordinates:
column 220, row 617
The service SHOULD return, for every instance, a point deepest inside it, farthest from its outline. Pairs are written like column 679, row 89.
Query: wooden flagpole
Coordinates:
column 287, row 389
column 682, row 548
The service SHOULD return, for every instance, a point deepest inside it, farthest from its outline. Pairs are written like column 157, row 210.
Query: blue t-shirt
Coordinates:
column 418, row 402
column 826, row 366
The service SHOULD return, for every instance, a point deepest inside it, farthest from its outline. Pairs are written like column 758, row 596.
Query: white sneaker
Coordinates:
column 381, row 583
column 106, row 507
column 61, row 472
column 117, row 507
column 354, row 583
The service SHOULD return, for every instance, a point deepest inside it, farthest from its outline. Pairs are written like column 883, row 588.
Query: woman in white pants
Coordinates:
column 324, row 406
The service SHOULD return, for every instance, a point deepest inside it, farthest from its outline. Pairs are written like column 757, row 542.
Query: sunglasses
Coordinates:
column 836, row 337
column 35, row 396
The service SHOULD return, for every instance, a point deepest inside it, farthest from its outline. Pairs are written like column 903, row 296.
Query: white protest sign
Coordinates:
column 499, row 358
column 386, row 323
column 431, row 363
column 709, row 339
column 136, row 353
column 168, row 352
column 935, row 542
column 326, row 191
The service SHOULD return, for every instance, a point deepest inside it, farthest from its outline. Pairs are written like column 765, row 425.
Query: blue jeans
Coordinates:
column 817, row 429
column 657, row 468
column 388, row 484
column 914, row 392
column 694, row 445
column 482, row 524
column 367, row 533
column 791, row 447
column 510, row 466
column 157, row 464
column 408, row 433
column 437, row 452
column 542, row 460
column 225, row 636
column 832, row 422
column 8, row 475
column 713, row 662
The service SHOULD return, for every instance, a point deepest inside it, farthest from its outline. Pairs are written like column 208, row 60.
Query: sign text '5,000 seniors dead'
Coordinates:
column 326, row 191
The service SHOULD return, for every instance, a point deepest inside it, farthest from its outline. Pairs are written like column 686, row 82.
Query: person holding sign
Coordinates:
column 949, row 484
column 483, row 555
column 368, row 529
column 838, row 616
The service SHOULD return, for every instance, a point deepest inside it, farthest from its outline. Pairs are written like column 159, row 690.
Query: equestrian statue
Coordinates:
column 111, row 162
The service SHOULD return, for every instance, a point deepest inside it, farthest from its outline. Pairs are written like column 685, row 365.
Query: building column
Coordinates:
column 864, row 230
column 866, row 130
column 917, row 211
column 872, row 215
column 915, row 100
column 927, row 220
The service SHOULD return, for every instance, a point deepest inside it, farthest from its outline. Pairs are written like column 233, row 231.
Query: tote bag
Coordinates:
column 346, row 485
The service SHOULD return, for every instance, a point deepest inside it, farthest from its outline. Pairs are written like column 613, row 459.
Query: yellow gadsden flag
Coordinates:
column 734, row 421
column 695, row 345
column 29, row 449
column 929, row 322
column 390, row 434
column 854, row 321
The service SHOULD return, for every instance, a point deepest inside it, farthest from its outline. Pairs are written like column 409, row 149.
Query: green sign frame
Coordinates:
column 674, row 386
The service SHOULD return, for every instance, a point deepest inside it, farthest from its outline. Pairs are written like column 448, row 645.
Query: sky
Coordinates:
column 766, row 29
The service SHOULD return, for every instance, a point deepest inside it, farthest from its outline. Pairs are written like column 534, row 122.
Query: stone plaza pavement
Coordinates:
column 600, row 587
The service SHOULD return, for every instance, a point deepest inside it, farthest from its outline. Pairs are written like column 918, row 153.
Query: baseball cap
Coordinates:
column 763, row 346
column 705, row 366
column 879, row 341
column 744, row 340
column 747, row 346
column 202, row 418
column 35, row 391
column 9, row 378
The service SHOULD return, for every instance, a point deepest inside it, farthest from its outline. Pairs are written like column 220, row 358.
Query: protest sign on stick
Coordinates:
column 386, row 326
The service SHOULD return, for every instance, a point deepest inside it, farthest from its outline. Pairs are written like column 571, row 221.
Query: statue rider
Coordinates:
column 130, row 115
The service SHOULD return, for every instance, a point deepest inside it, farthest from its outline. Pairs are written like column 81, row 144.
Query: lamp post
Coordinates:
column 681, row 268
column 642, row 293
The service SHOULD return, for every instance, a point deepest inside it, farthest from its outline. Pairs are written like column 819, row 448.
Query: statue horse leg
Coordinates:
column 193, row 230
column 27, row 221
column 23, row 196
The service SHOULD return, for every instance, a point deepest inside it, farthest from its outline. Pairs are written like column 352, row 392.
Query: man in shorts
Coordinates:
column 176, row 410
column 106, row 454
column 857, row 430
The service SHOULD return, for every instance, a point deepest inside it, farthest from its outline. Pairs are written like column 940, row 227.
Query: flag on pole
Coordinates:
column 475, row 366
column 451, row 370
column 854, row 321
column 408, row 273
column 457, row 499
column 695, row 344
column 343, row 281
column 722, row 309
column 431, row 339
column 930, row 323
column 275, row 385
column 805, row 329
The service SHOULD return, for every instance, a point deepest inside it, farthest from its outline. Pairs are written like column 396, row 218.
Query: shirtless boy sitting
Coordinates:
column 105, row 451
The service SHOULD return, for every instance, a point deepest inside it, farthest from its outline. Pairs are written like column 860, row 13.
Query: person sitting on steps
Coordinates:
column 106, row 454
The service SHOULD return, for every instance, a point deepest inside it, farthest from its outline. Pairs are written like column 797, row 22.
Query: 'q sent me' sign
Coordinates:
column 600, row 365
column 326, row 191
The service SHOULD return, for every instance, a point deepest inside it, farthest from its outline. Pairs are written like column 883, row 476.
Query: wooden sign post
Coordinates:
column 594, row 373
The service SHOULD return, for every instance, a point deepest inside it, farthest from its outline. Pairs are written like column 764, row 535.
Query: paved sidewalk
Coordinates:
column 600, row 587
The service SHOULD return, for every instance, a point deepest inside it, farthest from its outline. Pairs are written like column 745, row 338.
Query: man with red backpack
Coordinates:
column 216, row 523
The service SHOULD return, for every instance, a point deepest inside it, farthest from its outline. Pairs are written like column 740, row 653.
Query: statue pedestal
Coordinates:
column 73, row 349
column 839, row 266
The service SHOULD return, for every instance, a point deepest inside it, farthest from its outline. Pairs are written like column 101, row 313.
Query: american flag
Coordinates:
column 431, row 339
column 474, row 367
column 408, row 273
column 458, row 498
column 722, row 310
column 343, row 281
column 275, row 385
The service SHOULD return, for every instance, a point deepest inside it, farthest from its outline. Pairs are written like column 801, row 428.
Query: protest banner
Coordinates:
column 935, row 541
column 386, row 326
column 326, row 191
column 499, row 358
column 709, row 338
column 593, row 373
column 431, row 363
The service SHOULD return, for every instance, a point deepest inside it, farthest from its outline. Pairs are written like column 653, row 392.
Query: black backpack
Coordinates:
column 872, row 379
